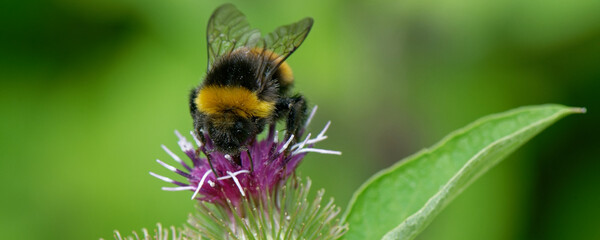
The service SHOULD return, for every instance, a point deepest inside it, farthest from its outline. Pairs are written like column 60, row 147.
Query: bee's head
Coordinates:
column 230, row 132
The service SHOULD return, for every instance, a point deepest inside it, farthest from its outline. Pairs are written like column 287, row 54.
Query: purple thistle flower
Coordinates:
column 268, row 167
column 257, row 195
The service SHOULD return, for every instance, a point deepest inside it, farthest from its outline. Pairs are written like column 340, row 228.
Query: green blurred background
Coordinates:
column 90, row 89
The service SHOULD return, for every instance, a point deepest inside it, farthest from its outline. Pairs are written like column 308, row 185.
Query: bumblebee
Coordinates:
column 247, row 85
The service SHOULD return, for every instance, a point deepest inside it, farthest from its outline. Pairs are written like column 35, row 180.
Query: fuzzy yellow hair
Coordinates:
column 239, row 100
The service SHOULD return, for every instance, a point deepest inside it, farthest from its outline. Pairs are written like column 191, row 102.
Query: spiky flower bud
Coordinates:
column 159, row 233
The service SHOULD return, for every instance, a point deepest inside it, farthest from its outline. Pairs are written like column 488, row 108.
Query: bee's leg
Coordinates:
column 295, row 107
column 211, row 165
column 251, row 162
column 202, row 140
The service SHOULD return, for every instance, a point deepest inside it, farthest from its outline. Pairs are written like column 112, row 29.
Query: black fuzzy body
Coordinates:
column 249, row 69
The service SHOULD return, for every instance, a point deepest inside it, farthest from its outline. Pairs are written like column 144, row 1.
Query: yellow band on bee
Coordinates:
column 239, row 100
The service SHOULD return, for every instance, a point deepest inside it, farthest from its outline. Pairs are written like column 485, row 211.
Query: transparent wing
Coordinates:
column 280, row 44
column 286, row 39
column 228, row 30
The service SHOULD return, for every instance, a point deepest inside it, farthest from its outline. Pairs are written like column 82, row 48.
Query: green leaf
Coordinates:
column 399, row 202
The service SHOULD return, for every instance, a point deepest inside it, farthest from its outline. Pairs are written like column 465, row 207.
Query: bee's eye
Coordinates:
column 239, row 126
